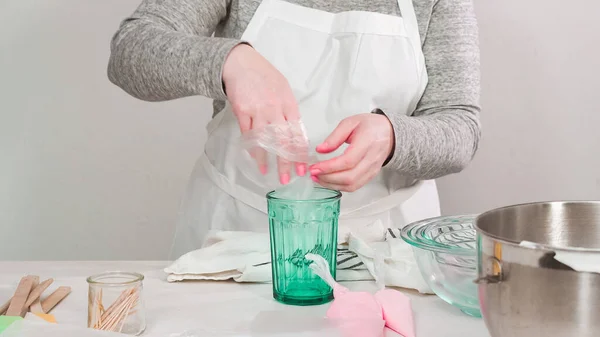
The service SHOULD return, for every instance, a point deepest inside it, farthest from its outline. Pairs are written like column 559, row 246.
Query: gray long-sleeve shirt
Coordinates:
column 164, row 51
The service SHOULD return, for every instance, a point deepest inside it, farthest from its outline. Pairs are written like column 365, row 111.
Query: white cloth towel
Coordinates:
column 246, row 257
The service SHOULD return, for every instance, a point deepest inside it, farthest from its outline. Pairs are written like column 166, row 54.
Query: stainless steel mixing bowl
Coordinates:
column 524, row 291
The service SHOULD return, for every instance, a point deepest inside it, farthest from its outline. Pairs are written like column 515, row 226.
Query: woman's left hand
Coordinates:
column 371, row 139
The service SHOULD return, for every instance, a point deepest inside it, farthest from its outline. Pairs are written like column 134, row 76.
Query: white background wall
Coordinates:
column 84, row 168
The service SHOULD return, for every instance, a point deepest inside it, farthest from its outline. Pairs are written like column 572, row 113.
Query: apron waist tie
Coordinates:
column 259, row 202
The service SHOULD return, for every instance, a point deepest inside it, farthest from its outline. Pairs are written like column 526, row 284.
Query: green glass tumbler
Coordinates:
column 299, row 227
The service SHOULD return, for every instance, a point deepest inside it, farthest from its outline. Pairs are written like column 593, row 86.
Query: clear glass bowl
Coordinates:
column 445, row 250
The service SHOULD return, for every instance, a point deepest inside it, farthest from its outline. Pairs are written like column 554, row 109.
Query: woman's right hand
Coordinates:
column 259, row 95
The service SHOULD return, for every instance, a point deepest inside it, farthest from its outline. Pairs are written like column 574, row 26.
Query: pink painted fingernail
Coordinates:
column 315, row 172
column 301, row 170
column 263, row 169
column 315, row 179
column 323, row 148
column 285, row 179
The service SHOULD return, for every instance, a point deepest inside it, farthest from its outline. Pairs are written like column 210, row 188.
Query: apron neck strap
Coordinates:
column 407, row 11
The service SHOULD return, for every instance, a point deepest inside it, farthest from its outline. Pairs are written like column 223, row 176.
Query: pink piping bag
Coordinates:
column 362, row 314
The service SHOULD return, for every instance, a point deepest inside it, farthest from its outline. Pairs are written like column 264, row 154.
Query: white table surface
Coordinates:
column 212, row 306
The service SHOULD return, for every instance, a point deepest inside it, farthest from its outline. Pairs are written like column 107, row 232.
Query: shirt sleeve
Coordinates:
column 164, row 50
column 442, row 135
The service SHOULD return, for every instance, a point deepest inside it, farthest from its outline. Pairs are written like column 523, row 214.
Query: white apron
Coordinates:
column 338, row 65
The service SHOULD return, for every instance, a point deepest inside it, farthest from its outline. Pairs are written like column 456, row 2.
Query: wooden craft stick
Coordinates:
column 119, row 314
column 99, row 308
column 5, row 306
column 133, row 303
column 96, row 309
column 35, row 281
column 17, row 304
column 124, row 313
column 114, row 316
column 34, row 284
column 58, row 295
column 116, row 303
column 119, row 310
column 36, row 293
column 36, row 307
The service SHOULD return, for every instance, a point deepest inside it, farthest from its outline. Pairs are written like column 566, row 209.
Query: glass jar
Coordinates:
column 116, row 303
column 298, row 227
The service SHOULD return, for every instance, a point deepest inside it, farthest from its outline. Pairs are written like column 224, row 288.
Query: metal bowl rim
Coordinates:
column 538, row 245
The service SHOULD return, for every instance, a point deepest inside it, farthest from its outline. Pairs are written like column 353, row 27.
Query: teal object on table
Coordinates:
column 298, row 227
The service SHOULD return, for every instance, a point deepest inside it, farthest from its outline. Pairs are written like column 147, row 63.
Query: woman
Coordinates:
column 389, row 88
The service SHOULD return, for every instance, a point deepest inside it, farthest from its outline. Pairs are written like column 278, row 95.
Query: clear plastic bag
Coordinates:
column 265, row 151
column 288, row 141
